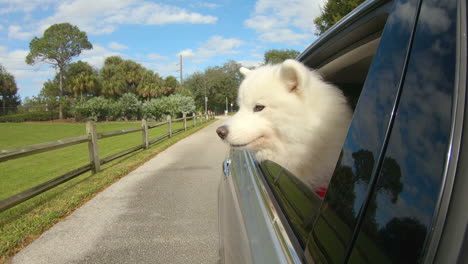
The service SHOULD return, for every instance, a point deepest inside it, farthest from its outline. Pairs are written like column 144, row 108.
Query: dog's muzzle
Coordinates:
column 222, row 132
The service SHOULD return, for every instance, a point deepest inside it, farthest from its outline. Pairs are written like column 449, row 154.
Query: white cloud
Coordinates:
column 284, row 21
column 97, row 55
column 258, row 55
column 15, row 32
column 216, row 45
column 14, row 63
column 163, row 68
column 206, row 5
column 1, row 27
column 285, row 36
column 104, row 16
column 219, row 45
column 117, row 46
column 188, row 53
column 250, row 63
column 10, row 6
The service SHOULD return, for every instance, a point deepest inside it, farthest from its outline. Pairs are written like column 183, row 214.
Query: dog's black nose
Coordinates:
column 222, row 132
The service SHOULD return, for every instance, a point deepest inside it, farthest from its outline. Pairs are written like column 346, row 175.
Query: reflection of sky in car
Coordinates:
column 372, row 115
column 420, row 135
column 421, row 131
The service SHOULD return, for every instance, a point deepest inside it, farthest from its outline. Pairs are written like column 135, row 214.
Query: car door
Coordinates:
column 386, row 190
column 332, row 234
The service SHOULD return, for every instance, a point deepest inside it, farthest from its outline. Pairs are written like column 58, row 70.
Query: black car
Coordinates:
column 398, row 191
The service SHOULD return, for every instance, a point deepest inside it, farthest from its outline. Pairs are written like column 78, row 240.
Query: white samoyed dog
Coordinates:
column 289, row 115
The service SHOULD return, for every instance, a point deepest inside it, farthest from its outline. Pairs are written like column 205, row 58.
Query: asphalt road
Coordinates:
column 163, row 212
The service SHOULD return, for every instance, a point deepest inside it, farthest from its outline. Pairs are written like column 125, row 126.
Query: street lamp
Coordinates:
column 227, row 109
column 231, row 107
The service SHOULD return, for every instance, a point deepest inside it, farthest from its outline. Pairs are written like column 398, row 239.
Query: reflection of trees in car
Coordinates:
column 403, row 237
column 361, row 172
column 346, row 178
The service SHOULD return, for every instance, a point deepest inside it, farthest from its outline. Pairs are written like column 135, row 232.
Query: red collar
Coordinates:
column 321, row 191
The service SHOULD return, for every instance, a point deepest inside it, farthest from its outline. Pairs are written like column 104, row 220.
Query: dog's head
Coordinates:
column 269, row 100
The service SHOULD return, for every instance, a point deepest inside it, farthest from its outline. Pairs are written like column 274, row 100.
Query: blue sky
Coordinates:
column 154, row 33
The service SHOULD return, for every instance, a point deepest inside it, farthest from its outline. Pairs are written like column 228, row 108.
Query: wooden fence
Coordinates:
column 95, row 161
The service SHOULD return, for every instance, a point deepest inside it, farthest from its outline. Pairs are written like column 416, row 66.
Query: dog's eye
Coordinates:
column 258, row 108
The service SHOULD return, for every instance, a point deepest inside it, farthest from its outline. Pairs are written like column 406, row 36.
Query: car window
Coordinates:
column 400, row 212
column 333, row 231
column 296, row 199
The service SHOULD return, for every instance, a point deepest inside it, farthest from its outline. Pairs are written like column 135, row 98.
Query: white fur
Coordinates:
column 302, row 126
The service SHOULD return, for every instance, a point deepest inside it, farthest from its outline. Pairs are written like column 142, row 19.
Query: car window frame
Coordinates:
column 447, row 242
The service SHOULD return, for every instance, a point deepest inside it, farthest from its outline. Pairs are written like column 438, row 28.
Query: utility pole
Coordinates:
column 181, row 80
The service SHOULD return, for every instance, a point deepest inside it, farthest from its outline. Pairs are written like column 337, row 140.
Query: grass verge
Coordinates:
column 20, row 225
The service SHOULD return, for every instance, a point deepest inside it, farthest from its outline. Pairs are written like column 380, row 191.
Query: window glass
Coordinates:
column 297, row 200
column 333, row 229
column 399, row 215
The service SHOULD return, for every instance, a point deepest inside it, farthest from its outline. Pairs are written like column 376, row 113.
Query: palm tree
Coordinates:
column 170, row 85
column 133, row 74
column 83, row 82
column 112, row 80
column 150, row 85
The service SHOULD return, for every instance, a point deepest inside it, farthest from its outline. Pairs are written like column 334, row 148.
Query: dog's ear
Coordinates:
column 244, row 71
column 294, row 74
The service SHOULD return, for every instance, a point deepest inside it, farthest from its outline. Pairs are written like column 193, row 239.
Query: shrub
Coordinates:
column 128, row 107
column 30, row 116
column 114, row 110
column 96, row 108
column 131, row 107
column 186, row 104
column 173, row 105
column 153, row 110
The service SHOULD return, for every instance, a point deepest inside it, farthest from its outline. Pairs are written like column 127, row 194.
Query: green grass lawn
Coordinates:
column 24, row 222
column 21, row 174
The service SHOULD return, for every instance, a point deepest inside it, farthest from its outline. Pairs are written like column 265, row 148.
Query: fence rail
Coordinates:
column 95, row 162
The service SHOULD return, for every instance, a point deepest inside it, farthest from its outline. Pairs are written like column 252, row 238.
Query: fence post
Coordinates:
column 194, row 119
column 169, row 125
column 144, row 125
column 185, row 121
column 93, row 146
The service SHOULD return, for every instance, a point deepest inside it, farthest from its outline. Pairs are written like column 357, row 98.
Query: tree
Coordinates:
column 112, row 80
column 275, row 56
column 50, row 92
column 81, row 78
column 150, row 85
column 218, row 83
column 332, row 12
column 35, row 102
column 133, row 73
column 59, row 44
column 113, row 60
column 121, row 76
column 8, row 89
column 170, row 85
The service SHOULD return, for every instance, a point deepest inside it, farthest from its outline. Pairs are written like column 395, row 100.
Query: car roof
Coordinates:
column 315, row 54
